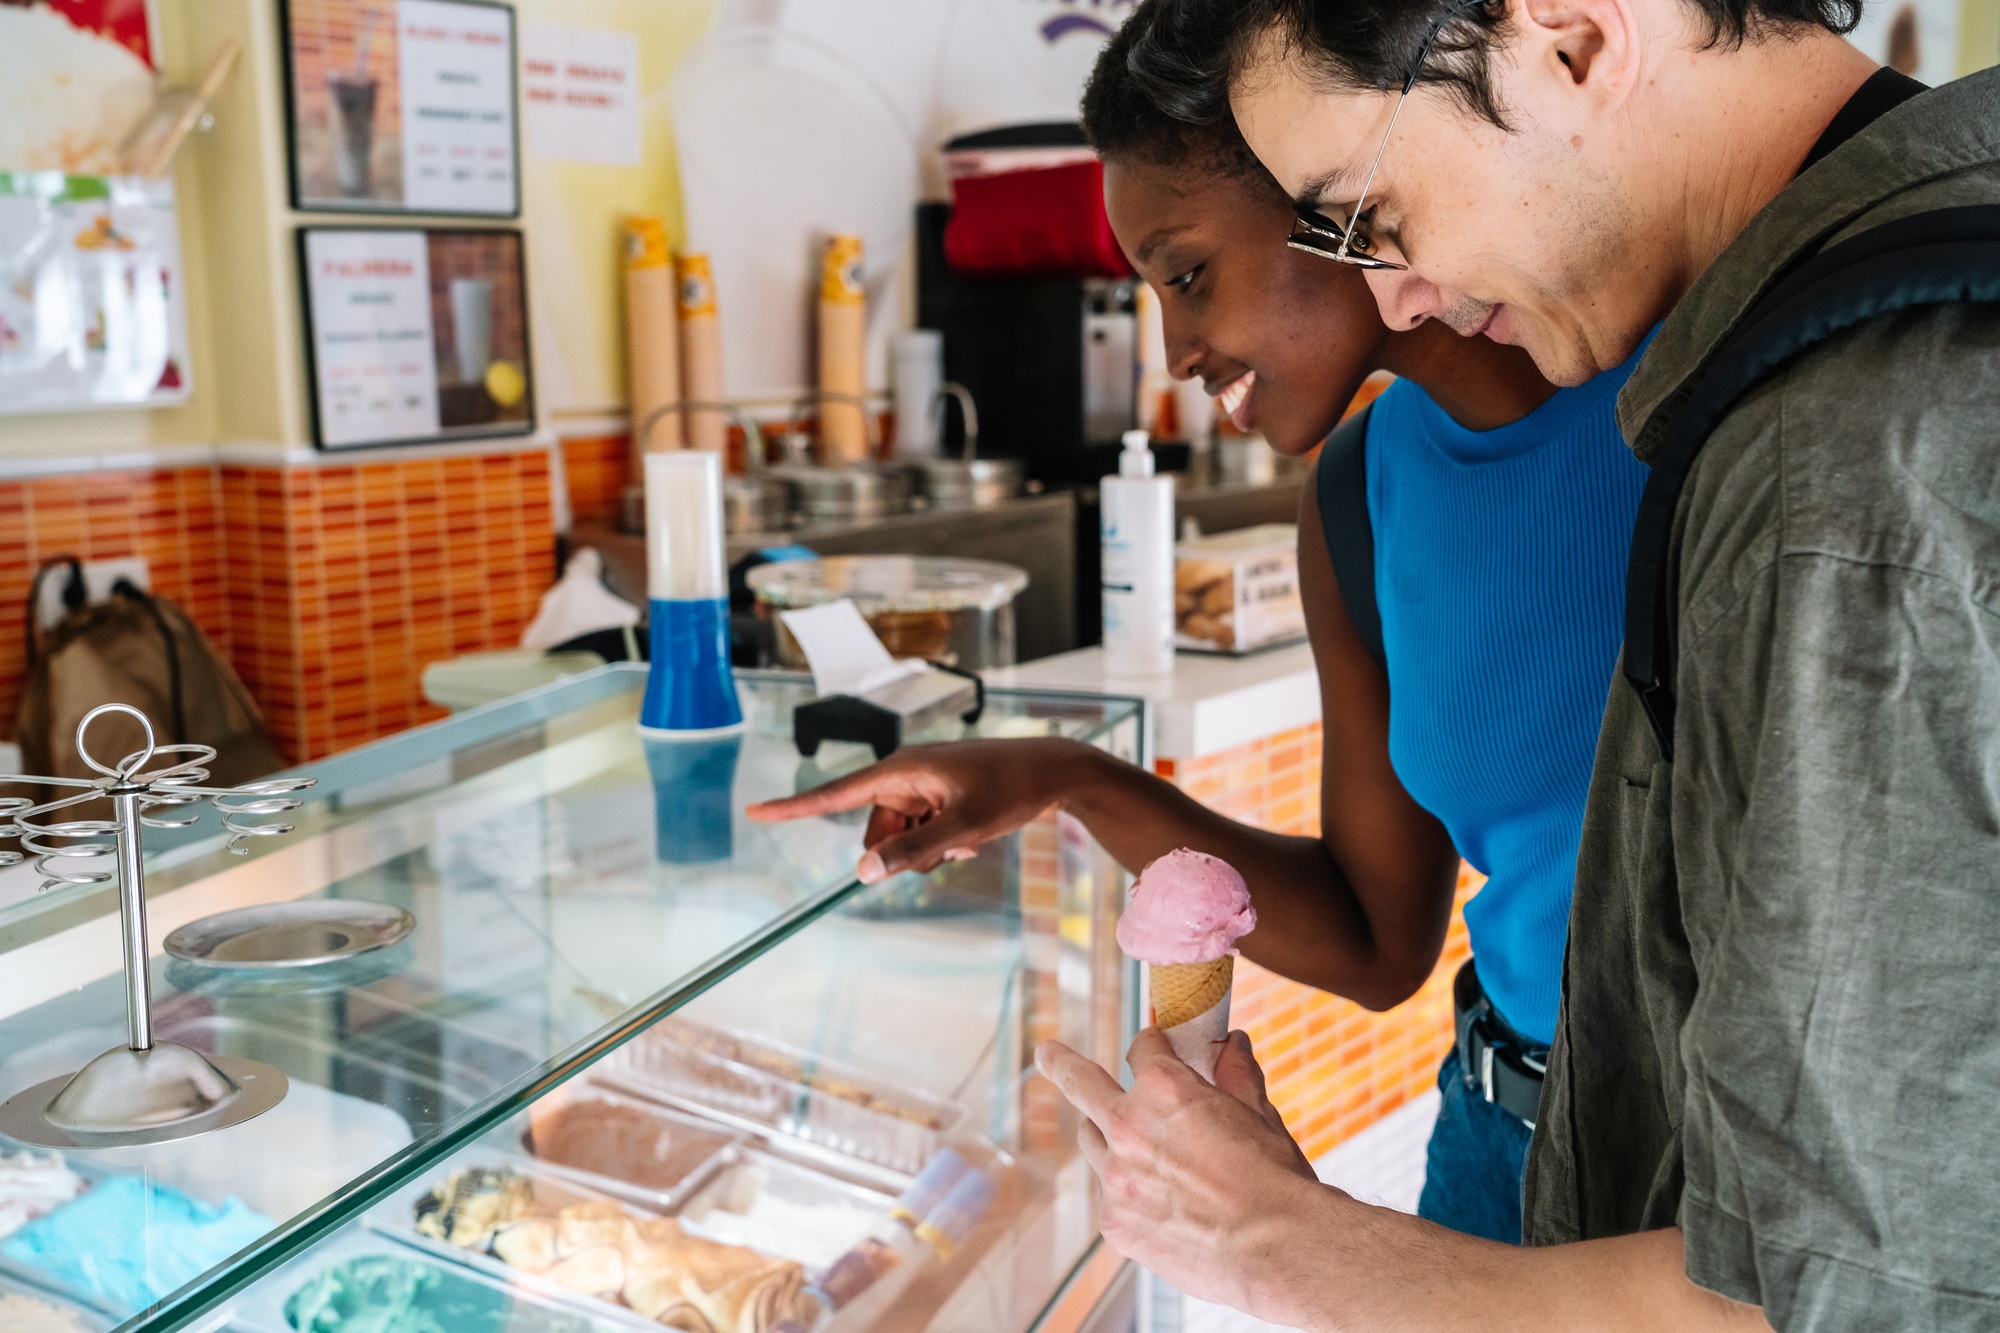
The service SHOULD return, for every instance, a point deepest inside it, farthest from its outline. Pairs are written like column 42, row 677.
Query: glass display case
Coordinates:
column 639, row 1063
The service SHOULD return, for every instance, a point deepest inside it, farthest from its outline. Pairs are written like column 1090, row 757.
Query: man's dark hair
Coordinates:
column 1121, row 120
column 1187, row 55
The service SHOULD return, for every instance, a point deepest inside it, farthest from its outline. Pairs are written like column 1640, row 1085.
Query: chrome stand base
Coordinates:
column 126, row 1097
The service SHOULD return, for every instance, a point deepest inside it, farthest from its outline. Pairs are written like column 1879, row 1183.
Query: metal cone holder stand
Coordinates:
column 146, row 1091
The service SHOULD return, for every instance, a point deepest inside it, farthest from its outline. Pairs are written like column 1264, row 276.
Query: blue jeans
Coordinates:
column 1474, row 1166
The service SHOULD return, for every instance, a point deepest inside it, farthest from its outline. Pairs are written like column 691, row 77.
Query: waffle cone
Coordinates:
column 1182, row 991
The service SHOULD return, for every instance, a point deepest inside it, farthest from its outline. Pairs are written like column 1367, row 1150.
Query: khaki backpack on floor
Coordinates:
column 138, row 649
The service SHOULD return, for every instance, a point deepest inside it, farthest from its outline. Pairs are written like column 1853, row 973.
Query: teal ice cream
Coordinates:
column 384, row 1294
column 126, row 1243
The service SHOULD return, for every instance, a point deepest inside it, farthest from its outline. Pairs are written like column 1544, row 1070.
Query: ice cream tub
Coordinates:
column 627, row 1146
column 800, row 1104
column 360, row 1279
column 26, row 1307
column 35, row 1183
column 779, row 1207
column 520, row 1224
column 128, row 1240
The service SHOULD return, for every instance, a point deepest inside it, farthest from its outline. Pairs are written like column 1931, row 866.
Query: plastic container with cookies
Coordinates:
column 1237, row 592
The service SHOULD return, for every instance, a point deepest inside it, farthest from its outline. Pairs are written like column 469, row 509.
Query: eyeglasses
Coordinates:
column 1316, row 233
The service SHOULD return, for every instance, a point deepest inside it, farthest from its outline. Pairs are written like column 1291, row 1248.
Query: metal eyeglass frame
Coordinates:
column 1313, row 230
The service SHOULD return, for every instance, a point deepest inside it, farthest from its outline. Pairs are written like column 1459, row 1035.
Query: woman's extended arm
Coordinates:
column 1361, row 910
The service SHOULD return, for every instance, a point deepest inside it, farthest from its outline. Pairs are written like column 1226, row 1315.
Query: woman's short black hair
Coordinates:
column 1186, row 57
column 1121, row 119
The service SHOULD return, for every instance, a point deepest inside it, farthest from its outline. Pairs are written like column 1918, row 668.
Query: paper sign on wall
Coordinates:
column 458, row 107
column 580, row 93
column 375, row 368
column 416, row 334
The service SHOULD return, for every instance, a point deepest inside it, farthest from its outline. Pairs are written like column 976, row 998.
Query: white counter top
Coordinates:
column 1209, row 703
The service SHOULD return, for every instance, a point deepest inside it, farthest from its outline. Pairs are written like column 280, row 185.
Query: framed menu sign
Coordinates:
column 415, row 335
column 404, row 106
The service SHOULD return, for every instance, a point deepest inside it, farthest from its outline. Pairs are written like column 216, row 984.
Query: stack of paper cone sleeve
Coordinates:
column 1191, row 1008
column 701, row 353
column 652, row 331
column 843, row 351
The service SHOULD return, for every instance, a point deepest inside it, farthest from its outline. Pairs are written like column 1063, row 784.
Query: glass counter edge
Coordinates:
column 430, row 741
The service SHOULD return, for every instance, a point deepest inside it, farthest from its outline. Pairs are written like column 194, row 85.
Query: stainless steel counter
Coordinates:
column 1052, row 537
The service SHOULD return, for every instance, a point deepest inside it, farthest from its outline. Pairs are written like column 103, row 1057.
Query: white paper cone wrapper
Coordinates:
column 1199, row 1040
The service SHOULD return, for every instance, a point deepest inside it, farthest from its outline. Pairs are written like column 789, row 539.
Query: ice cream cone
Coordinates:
column 1184, row 991
column 1191, row 1008
column 1188, row 909
column 1199, row 1040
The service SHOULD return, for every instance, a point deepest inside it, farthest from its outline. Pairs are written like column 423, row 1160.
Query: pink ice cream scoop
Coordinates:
column 1187, row 907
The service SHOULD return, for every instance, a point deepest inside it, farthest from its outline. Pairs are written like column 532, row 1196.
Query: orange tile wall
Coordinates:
column 169, row 517
column 1332, row 1067
column 358, row 577
column 1041, row 944
column 596, row 468
column 329, row 587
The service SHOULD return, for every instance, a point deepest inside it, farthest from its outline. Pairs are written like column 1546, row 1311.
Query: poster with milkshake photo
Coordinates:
column 403, row 106
column 416, row 335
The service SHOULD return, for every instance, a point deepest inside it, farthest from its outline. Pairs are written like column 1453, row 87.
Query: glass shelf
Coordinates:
column 572, row 885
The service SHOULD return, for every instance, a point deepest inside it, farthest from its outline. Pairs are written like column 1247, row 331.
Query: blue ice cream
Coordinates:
column 126, row 1242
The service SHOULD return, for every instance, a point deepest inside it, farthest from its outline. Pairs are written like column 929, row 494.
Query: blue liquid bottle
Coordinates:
column 691, row 692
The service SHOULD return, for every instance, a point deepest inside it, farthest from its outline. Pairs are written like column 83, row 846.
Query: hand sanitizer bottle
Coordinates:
column 1137, row 527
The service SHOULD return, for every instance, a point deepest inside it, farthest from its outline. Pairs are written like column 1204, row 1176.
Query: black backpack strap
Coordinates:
column 1944, row 257
column 74, row 597
column 1342, row 477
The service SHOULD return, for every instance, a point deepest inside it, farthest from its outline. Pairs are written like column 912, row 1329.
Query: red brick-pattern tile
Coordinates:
column 596, row 468
column 331, row 588
column 1041, row 937
column 397, row 565
column 168, row 517
column 265, row 651
column 1332, row 1067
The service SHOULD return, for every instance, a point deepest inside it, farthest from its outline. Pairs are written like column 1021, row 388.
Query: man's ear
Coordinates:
column 1591, row 46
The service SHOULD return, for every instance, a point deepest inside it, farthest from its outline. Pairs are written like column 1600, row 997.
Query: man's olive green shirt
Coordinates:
column 1781, row 1014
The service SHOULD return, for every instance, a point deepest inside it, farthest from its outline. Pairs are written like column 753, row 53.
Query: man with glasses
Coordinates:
column 1776, row 1067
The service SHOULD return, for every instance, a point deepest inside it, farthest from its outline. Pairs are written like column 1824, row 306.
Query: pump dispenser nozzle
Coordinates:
column 1136, row 459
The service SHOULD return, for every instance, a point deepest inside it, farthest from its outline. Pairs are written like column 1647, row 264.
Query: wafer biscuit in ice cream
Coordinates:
column 1187, row 911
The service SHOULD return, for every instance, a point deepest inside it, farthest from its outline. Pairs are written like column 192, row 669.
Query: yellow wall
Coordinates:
column 572, row 212
column 1978, row 35
column 237, row 236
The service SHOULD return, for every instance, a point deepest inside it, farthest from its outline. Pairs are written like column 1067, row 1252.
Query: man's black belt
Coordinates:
column 1497, row 1063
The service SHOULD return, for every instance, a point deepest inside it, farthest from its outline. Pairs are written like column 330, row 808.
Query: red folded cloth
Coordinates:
column 1047, row 222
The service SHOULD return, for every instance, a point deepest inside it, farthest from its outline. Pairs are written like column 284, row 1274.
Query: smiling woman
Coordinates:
column 1490, row 498
column 1282, row 338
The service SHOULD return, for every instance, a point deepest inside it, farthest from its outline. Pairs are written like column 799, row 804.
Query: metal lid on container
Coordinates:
column 854, row 491
column 889, row 582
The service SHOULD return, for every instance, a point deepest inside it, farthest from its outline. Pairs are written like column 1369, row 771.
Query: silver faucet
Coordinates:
column 794, row 446
column 753, row 435
column 967, row 411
